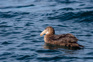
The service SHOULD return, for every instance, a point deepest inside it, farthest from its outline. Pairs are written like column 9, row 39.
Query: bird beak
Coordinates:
column 43, row 32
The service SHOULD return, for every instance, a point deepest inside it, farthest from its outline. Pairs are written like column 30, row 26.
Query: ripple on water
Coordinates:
column 23, row 6
column 90, row 53
column 22, row 57
column 47, row 51
column 49, row 58
column 85, row 16
column 6, row 43
column 66, row 9
column 21, row 22
column 5, row 55
column 11, row 14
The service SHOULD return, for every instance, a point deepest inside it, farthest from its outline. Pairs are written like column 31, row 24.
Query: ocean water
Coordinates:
column 22, row 21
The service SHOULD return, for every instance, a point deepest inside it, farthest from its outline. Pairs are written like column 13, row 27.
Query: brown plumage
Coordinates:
column 68, row 40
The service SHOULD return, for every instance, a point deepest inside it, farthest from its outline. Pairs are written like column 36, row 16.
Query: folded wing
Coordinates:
column 64, row 38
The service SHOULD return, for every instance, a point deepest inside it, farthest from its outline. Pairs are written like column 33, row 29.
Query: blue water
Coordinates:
column 21, row 22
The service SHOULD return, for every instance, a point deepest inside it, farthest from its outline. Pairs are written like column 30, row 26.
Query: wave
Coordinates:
column 81, row 16
column 8, row 7
column 11, row 14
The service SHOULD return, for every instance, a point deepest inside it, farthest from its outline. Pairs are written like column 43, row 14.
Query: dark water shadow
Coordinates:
column 53, row 47
column 66, row 1
column 23, row 6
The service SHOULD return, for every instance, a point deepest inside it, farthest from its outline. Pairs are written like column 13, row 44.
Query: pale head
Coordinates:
column 48, row 31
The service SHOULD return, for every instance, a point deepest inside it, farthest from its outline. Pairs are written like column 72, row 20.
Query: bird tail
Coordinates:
column 76, row 45
column 73, row 45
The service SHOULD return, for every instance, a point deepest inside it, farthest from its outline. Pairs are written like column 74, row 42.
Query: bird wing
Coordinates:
column 64, row 38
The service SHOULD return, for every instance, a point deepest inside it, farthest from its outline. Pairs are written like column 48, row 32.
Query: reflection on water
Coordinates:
column 53, row 47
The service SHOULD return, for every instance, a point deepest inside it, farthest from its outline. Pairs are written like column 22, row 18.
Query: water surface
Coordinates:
column 21, row 22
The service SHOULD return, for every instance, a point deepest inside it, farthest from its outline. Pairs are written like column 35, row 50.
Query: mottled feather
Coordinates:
column 68, row 40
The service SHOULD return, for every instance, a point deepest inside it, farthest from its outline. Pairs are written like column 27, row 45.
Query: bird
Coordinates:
column 67, row 40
